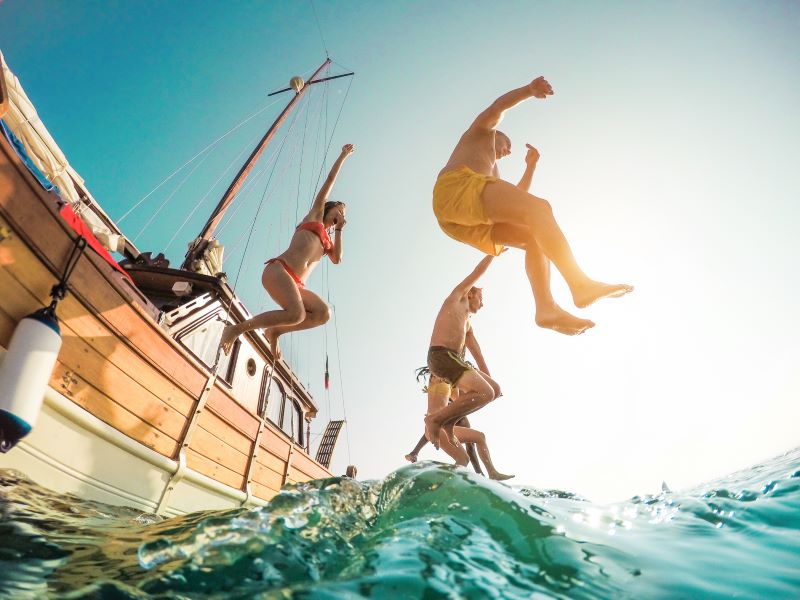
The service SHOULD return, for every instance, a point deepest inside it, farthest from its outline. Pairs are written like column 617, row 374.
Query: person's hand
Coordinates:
column 532, row 157
column 348, row 149
column 540, row 87
column 340, row 222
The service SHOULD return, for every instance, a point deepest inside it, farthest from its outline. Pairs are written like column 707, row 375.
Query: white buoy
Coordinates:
column 296, row 83
column 24, row 373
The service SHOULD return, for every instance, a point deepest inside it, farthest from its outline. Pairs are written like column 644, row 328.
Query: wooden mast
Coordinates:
column 202, row 240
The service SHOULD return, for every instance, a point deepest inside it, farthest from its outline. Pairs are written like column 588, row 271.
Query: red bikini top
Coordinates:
column 316, row 227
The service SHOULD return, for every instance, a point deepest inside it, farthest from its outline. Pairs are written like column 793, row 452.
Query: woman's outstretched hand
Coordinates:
column 348, row 149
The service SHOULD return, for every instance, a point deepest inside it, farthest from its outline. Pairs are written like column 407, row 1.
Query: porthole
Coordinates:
column 251, row 367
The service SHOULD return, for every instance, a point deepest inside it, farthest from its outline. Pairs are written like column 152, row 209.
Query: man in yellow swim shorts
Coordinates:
column 474, row 206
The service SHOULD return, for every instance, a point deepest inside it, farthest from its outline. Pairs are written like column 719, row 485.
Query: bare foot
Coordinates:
column 272, row 338
column 499, row 476
column 432, row 429
column 559, row 320
column 412, row 458
column 591, row 292
column 228, row 337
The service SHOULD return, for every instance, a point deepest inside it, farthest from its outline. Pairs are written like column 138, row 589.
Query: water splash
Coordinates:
column 426, row 530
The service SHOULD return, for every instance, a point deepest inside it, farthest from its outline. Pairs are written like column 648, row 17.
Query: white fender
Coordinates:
column 24, row 374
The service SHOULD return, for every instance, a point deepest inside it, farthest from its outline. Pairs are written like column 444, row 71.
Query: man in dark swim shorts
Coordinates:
column 451, row 333
column 446, row 364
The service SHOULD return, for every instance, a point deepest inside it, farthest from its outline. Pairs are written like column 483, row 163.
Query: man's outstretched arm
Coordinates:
column 464, row 287
column 491, row 117
column 531, row 158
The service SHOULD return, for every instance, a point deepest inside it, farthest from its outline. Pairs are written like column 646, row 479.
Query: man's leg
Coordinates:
column 507, row 204
column 475, row 392
column 549, row 315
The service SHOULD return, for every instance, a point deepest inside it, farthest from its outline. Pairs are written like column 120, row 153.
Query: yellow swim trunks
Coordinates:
column 458, row 208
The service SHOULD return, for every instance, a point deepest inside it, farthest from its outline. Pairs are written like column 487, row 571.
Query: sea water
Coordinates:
column 425, row 531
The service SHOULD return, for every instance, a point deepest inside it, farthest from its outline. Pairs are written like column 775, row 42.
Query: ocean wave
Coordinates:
column 425, row 531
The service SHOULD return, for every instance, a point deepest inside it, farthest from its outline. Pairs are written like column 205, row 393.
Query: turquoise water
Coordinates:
column 426, row 531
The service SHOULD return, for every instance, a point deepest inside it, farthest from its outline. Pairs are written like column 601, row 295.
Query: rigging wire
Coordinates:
column 169, row 197
column 341, row 382
column 285, row 168
column 199, row 203
column 300, row 169
column 270, row 157
column 333, row 131
column 234, row 161
column 322, row 37
column 211, row 145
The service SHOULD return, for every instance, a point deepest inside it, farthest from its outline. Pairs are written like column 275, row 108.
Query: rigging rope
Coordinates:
column 341, row 382
column 322, row 37
column 211, row 145
column 274, row 155
column 232, row 251
column 199, row 203
column 169, row 197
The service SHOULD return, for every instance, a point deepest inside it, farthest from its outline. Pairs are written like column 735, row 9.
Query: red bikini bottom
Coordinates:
column 288, row 269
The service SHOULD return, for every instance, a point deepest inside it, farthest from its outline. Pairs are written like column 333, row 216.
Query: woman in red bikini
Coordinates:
column 284, row 276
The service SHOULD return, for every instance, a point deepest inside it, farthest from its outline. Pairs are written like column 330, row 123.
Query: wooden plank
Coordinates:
column 303, row 464
column 120, row 388
column 269, row 460
column 7, row 325
column 220, row 452
column 234, row 413
column 263, row 492
column 93, row 367
column 217, row 472
column 93, row 281
column 267, row 477
column 84, row 324
column 70, row 384
column 275, row 442
column 225, row 431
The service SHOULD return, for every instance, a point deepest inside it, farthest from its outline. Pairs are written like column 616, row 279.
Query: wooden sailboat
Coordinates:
column 138, row 410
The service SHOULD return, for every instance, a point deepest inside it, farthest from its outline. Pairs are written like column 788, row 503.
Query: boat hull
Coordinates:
column 124, row 394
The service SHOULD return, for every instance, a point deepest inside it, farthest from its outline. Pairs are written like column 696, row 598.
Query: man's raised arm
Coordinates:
column 464, row 287
column 491, row 117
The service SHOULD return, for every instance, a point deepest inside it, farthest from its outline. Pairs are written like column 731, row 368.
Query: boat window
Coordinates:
column 292, row 423
column 272, row 405
column 251, row 367
column 203, row 342
column 299, row 420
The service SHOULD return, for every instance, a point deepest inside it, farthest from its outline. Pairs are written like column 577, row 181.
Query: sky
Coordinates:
column 668, row 152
